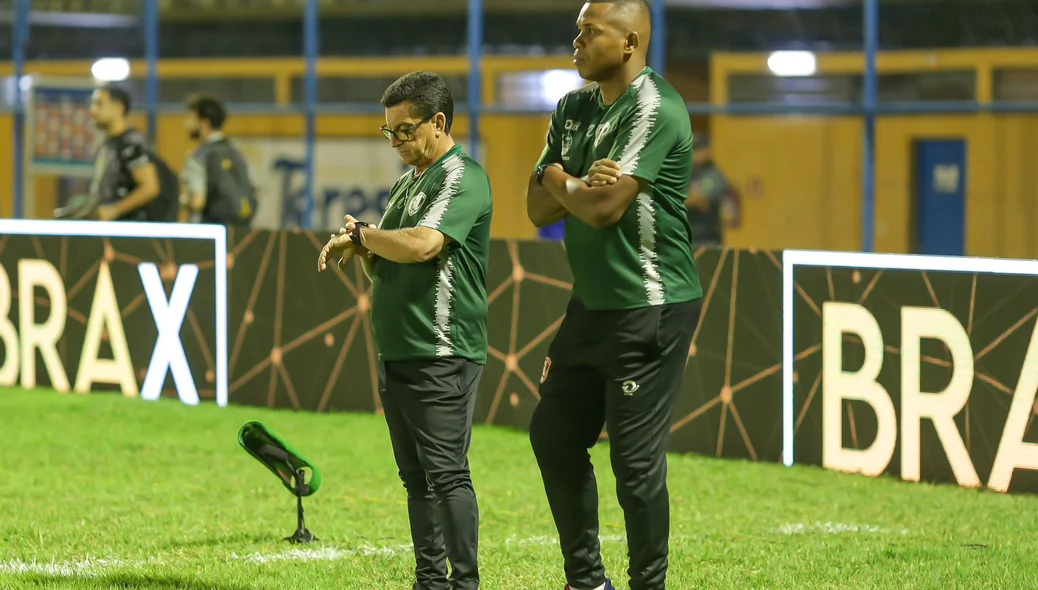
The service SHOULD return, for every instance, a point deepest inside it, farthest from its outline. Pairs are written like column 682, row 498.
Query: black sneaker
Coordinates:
column 608, row 585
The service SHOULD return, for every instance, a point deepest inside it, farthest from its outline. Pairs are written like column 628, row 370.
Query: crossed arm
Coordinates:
column 599, row 201
column 542, row 207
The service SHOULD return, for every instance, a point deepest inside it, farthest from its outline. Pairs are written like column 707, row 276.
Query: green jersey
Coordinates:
column 646, row 258
column 438, row 308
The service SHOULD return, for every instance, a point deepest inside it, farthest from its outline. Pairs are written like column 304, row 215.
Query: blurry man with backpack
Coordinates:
column 130, row 181
column 217, row 185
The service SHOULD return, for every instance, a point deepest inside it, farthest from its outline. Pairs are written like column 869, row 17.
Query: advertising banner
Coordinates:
column 302, row 340
column 920, row 367
column 351, row 175
column 60, row 135
column 136, row 308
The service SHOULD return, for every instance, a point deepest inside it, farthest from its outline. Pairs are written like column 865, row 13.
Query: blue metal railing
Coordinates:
column 151, row 55
column 20, row 39
column 475, row 45
column 311, row 50
column 868, row 108
column 868, row 191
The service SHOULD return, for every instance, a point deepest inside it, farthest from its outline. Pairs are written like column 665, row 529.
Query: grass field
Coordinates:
column 106, row 492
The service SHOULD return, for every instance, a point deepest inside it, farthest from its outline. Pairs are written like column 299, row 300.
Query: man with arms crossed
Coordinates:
column 616, row 168
column 427, row 261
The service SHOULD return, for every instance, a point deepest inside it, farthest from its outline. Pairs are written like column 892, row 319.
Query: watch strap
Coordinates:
column 541, row 170
column 355, row 234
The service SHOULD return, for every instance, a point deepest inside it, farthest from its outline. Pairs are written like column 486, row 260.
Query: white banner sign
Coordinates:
column 351, row 176
column 37, row 282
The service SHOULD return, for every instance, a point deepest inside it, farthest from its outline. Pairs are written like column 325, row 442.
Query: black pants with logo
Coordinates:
column 428, row 406
column 622, row 369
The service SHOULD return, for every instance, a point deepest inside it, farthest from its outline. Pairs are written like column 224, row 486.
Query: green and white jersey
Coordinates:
column 437, row 308
column 647, row 258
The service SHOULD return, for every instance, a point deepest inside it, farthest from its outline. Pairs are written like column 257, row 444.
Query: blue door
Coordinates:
column 940, row 197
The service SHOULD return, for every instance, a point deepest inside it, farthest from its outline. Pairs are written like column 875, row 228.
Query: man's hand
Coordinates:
column 339, row 243
column 107, row 212
column 603, row 172
column 350, row 222
column 600, row 205
column 348, row 248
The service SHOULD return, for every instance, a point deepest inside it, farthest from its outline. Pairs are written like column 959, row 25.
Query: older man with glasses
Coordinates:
column 427, row 260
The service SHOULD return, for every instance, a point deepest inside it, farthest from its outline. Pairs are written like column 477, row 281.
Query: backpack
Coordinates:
column 167, row 205
column 230, row 194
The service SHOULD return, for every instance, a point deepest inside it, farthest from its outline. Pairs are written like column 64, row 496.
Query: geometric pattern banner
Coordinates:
column 83, row 313
column 926, row 375
column 301, row 339
column 923, row 368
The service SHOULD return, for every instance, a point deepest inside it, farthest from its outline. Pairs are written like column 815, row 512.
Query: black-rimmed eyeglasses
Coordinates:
column 404, row 132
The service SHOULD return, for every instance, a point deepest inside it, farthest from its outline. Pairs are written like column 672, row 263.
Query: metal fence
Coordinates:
column 868, row 108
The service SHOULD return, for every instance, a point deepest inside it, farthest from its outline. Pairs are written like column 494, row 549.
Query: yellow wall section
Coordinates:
column 798, row 176
column 894, row 178
column 45, row 187
column 809, row 170
column 810, row 167
column 1015, row 215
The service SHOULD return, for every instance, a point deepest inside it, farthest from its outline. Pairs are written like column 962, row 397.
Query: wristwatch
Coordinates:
column 542, row 169
column 355, row 234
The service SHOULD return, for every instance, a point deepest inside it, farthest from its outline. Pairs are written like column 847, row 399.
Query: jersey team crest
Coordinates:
column 415, row 204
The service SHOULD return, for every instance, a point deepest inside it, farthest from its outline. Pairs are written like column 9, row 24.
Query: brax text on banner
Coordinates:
column 84, row 307
column 924, row 368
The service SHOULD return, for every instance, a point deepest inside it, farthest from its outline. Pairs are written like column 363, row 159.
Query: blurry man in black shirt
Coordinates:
column 130, row 182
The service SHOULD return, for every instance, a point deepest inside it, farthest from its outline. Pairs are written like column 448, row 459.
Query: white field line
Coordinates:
column 335, row 554
column 834, row 528
column 91, row 566
column 86, row 566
